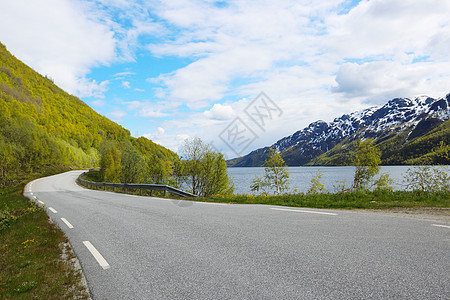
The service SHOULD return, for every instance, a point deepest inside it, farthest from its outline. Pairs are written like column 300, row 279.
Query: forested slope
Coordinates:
column 42, row 126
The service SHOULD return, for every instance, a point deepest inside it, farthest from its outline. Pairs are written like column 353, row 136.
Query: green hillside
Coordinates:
column 41, row 126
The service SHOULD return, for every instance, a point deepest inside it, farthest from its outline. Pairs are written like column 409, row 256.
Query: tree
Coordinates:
column 315, row 186
column 159, row 170
column 366, row 159
column 110, row 164
column 428, row 179
column 132, row 164
column 214, row 176
column 276, row 175
column 193, row 152
column 203, row 170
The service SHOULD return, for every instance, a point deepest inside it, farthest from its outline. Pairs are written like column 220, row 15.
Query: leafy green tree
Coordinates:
column 428, row 179
column 214, row 175
column 366, row 159
column 132, row 165
column 8, row 161
column 276, row 175
column 315, row 186
column 110, row 164
column 158, row 170
column 383, row 183
column 203, row 170
column 193, row 152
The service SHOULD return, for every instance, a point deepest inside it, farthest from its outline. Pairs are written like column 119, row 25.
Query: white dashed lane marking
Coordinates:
column 67, row 223
column 98, row 257
column 305, row 211
column 437, row 225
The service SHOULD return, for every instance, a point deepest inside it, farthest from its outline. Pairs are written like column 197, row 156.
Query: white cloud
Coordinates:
column 380, row 81
column 123, row 75
column 60, row 39
column 126, row 84
column 220, row 112
column 148, row 108
column 297, row 47
column 386, row 28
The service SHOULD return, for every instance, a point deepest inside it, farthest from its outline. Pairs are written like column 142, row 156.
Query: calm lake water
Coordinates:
column 300, row 177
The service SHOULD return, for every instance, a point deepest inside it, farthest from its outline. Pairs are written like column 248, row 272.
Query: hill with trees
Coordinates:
column 42, row 126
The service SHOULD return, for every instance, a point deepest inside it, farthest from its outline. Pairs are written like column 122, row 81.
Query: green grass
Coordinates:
column 355, row 200
column 31, row 251
column 93, row 175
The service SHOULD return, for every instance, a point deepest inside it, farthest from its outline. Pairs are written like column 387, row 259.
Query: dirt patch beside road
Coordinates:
column 426, row 213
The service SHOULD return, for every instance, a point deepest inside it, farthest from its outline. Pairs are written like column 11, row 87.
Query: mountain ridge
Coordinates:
column 416, row 117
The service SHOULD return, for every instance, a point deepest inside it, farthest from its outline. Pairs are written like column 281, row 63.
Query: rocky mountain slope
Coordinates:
column 395, row 126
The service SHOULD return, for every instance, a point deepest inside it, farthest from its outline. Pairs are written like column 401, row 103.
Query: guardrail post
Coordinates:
column 151, row 192
column 140, row 192
column 165, row 191
column 104, row 186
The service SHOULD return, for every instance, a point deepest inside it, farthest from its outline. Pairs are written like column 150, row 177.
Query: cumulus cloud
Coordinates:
column 220, row 112
column 58, row 38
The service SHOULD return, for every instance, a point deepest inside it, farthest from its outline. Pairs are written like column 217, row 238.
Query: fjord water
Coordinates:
column 300, row 177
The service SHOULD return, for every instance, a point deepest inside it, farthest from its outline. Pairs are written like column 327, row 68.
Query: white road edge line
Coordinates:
column 305, row 211
column 101, row 261
column 212, row 203
column 437, row 225
column 53, row 210
column 41, row 202
column 67, row 223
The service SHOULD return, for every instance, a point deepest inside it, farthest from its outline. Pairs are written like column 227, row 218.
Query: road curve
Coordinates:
column 134, row 247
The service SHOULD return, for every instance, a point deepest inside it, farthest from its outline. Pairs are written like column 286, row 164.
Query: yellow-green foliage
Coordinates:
column 276, row 175
column 110, row 165
column 41, row 125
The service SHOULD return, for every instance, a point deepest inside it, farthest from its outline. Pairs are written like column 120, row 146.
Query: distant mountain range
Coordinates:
column 407, row 131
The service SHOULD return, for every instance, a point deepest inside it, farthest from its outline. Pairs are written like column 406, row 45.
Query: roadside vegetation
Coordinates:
column 346, row 200
column 199, row 170
column 427, row 186
column 35, row 259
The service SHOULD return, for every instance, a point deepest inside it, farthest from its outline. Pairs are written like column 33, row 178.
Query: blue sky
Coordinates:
column 169, row 70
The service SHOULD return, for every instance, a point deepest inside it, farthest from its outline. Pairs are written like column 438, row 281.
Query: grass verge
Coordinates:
column 34, row 260
column 354, row 200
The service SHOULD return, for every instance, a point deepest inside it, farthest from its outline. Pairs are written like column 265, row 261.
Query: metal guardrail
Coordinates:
column 151, row 187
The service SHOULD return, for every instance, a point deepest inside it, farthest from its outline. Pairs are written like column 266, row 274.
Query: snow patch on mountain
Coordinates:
column 398, row 114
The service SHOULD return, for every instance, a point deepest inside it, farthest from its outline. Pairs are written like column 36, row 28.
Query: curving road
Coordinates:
column 134, row 247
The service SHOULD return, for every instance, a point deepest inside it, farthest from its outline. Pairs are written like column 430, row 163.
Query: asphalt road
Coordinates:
column 166, row 249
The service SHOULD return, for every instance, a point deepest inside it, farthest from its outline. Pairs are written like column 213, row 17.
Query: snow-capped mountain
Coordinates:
column 410, row 118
